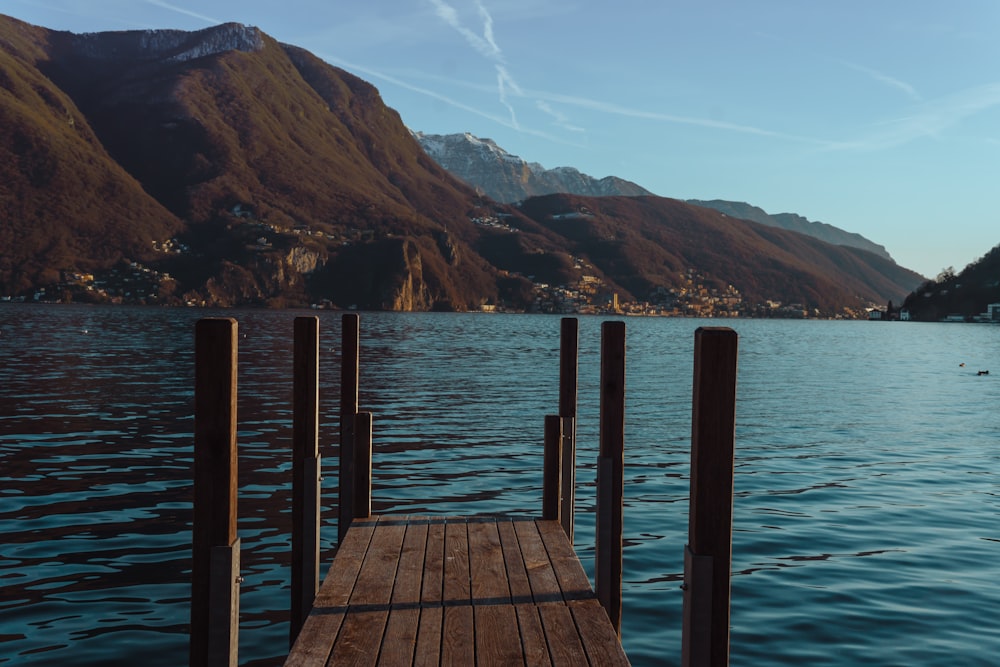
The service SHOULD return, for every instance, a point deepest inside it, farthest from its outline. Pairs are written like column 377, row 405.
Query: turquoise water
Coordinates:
column 866, row 518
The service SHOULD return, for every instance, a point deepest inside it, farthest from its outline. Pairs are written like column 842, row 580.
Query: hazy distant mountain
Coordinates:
column 507, row 178
column 795, row 223
column 224, row 168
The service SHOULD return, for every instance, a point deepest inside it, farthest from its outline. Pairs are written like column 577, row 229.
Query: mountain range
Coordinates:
column 508, row 178
column 222, row 167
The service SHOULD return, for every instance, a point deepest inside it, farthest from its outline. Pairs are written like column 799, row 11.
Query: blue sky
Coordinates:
column 881, row 117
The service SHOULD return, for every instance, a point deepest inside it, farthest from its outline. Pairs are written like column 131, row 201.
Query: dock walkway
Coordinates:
column 413, row 590
column 479, row 590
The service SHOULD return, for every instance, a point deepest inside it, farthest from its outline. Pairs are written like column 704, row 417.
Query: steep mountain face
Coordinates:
column 795, row 223
column 967, row 294
column 221, row 167
column 507, row 178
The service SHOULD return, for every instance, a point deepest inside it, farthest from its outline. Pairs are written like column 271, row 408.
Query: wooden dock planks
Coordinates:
column 459, row 591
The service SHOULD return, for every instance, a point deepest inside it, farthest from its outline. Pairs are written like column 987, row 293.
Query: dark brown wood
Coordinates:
column 552, row 469
column 568, row 374
column 428, row 651
column 410, row 574
column 457, row 585
column 495, row 644
column 400, row 640
column 563, row 638
column 529, row 623
column 362, row 505
column 367, row 611
column 458, row 639
column 541, row 578
column 349, row 377
column 486, row 564
column 713, row 428
column 215, row 487
column 305, row 471
column 611, row 472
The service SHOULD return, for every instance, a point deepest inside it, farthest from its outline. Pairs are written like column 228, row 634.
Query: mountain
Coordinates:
column 965, row 295
column 795, row 223
column 507, row 178
column 221, row 167
column 667, row 238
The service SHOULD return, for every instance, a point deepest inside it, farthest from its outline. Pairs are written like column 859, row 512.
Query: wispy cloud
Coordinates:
column 928, row 120
column 185, row 12
column 450, row 101
column 889, row 81
column 487, row 46
column 561, row 119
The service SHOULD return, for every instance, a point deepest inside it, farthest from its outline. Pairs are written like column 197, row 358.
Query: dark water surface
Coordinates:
column 867, row 511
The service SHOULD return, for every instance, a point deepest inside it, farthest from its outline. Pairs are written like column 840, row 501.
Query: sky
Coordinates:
column 881, row 117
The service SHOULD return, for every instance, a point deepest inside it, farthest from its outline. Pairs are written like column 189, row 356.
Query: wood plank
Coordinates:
column 598, row 635
column 410, row 574
column 400, row 640
column 359, row 639
column 495, row 625
column 457, row 585
column 569, row 572
column 432, row 589
column 533, row 644
column 458, row 645
column 314, row 643
column 544, row 585
column 428, row 652
column 486, row 564
column 378, row 572
column 561, row 635
column 517, row 576
column 343, row 573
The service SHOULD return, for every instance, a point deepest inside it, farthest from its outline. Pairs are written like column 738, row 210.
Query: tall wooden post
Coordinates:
column 362, row 505
column 215, row 547
column 552, row 491
column 568, row 361
column 611, row 472
column 349, row 370
column 708, row 554
column 305, row 471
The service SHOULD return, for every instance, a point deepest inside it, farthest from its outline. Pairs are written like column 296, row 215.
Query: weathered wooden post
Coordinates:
column 568, row 361
column 611, row 472
column 708, row 554
column 215, row 565
column 362, row 504
column 349, row 370
column 552, row 469
column 305, row 471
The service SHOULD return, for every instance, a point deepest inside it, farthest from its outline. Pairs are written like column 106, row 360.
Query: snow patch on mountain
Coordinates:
column 170, row 45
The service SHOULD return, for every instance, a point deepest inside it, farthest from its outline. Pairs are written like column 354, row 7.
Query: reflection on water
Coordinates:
column 866, row 522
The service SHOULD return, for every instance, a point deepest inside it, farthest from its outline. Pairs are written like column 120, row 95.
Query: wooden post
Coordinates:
column 362, row 465
column 349, row 367
column 552, row 493
column 611, row 472
column 568, row 361
column 305, row 472
column 215, row 547
column 708, row 554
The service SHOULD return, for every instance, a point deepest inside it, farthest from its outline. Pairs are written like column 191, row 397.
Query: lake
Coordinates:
column 866, row 517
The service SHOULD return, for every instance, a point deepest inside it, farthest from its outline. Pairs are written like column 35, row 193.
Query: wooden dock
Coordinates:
column 456, row 591
column 421, row 590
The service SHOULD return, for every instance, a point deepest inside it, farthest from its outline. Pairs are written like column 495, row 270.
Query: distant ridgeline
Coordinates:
column 221, row 167
column 966, row 295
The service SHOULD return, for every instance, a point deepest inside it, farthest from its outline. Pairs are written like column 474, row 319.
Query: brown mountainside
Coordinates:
column 230, row 169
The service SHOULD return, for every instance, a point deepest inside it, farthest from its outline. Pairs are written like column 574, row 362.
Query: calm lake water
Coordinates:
column 867, row 510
